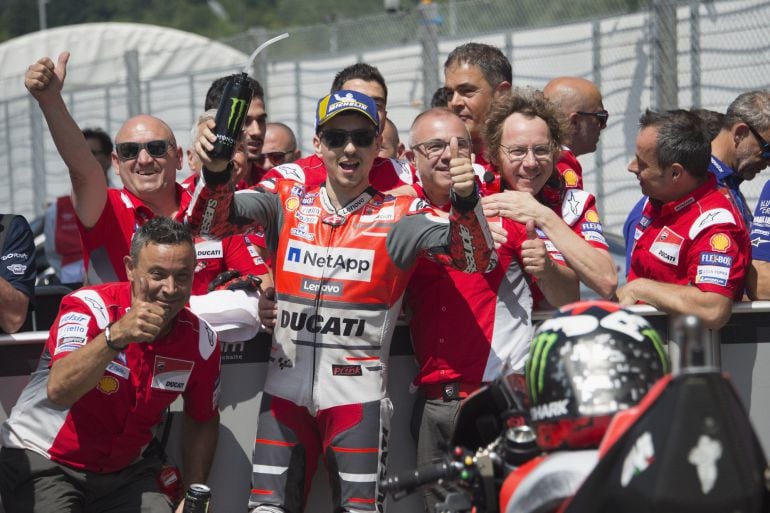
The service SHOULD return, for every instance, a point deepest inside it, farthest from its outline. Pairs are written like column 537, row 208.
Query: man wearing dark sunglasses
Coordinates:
column 280, row 146
column 580, row 102
column 344, row 255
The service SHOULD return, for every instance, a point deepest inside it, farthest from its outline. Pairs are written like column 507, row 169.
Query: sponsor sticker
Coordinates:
column 310, row 211
column 17, row 269
column 346, row 370
column 639, row 458
column 592, row 227
column 340, row 263
column 549, row 410
column 593, row 217
column 209, row 249
column 718, row 259
column 74, row 317
column 108, row 385
column 704, row 457
column 385, row 214
column 713, row 274
column 118, row 369
column 570, row 178
column 327, row 288
column 667, row 246
column 292, row 203
column 171, row 374
column 306, row 219
column 720, row 242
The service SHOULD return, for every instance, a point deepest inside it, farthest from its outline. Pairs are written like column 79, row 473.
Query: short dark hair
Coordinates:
column 528, row 102
column 712, row 121
column 105, row 141
column 361, row 71
column 682, row 139
column 493, row 64
column 159, row 230
column 440, row 98
column 214, row 94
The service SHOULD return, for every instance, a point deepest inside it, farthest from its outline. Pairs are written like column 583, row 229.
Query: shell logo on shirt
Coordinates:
column 292, row 203
column 570, row 178
column 592, row 216
column 108, row 385
column 719, row 242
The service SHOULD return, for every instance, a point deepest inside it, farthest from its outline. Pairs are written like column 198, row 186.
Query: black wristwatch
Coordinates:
column 108, row 339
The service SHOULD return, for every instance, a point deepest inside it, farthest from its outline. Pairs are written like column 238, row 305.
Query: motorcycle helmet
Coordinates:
column 587, row 362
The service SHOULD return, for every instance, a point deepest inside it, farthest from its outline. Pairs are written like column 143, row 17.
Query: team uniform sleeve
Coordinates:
column 718, row 259
column 201, row 397
column 463, row 241
column 216, row 211
column 242, row 257
column 760, row 227
column 74, row 327
column 18, row 258
column 589, row 225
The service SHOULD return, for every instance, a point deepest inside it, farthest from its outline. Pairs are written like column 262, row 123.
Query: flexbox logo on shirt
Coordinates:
column 320, row 262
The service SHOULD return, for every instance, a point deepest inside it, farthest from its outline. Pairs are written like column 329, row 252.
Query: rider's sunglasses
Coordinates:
column 335, row 138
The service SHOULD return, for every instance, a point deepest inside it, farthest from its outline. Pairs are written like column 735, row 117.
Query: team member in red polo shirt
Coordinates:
column 693, row 249
column 523, row 135
column 467, row 329
column 146, row 159
column 117, row 356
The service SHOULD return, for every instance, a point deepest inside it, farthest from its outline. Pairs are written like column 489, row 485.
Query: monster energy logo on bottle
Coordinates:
column 237, row 109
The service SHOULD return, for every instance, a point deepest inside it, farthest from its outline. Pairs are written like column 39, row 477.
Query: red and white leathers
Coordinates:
column 108, row 428
column 386, row 174
column 340, row 277
column 570, row 169
column 698, row 240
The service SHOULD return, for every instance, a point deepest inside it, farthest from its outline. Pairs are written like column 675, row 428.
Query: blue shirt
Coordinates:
column 760, row 227
column 17, row 258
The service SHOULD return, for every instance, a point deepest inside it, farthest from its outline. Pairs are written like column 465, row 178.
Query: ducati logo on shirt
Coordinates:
column 171, row 374
column 667, row 245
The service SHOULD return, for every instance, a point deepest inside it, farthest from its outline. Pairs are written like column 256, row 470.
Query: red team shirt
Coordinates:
column 108, row 427
column 698, row 240
column 109, row 240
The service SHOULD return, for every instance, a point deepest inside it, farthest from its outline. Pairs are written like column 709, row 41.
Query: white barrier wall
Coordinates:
column 745, row 358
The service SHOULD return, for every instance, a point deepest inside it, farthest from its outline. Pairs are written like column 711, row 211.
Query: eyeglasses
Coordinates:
column 763, row 145
column 335, row 138
column 130, row 150
column 435, row 147
column 276, row 158
column 601, row 115
column 541, row 152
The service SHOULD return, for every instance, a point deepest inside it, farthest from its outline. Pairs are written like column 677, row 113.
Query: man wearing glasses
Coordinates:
column 344, row 255
column 580, row 101
column 280, row 146
column 146, row 159
column 691, row 251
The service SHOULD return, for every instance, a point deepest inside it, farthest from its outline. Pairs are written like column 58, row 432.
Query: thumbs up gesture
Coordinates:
column 145, row 320
column 534, row 255
column 44, row 79
column 461, row 169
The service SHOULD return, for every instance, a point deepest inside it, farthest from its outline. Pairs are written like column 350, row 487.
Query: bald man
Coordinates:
column 146, row 159
column 580, row 102
column 280, row 146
